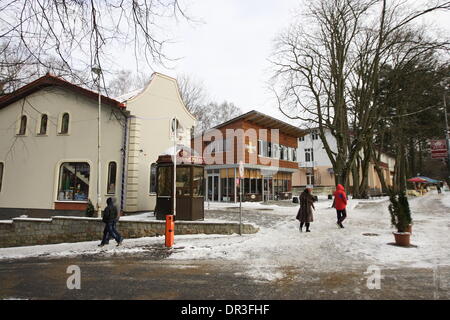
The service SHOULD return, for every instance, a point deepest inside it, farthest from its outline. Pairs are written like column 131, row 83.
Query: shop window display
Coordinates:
column 74, row 181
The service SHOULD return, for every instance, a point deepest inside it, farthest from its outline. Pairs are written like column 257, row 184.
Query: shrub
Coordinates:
column 90, row 210
column 399, row 210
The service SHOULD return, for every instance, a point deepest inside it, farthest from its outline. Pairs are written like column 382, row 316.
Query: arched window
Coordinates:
column 43, row 127
column 74, row 181
column 65, row 123
column 112, row 173
column 23, row 125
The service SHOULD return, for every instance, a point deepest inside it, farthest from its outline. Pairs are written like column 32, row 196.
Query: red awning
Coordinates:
column 416, row 179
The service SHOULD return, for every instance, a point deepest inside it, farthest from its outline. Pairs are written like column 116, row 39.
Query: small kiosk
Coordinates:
column 189, row 186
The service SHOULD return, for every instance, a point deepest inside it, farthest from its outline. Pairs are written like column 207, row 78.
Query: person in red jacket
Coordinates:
column 340, row 203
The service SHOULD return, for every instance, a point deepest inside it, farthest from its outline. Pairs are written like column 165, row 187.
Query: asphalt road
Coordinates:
column 153, row 277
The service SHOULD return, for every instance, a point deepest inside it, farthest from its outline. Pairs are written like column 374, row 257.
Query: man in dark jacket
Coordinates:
column 110, row 216
column 340, row 203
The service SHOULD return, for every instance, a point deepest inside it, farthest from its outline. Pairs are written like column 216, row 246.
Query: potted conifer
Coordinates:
column 400, row 217
column 90, row 210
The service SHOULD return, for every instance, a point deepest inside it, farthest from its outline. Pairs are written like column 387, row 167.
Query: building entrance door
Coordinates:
column 213, row 187
column 268, row 189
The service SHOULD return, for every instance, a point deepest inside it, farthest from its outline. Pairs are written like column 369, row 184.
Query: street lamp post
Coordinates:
column 174, row 133
column 445, row 84
column 447, row 136
column 177, row 134
column 98, row 71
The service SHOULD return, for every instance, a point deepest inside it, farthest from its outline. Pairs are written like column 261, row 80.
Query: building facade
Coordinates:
column 315, row 167
column 267, row 149
column 49, row 145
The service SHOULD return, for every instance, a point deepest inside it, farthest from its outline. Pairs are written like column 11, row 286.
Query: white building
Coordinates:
column 315, row 167
column 48, row 145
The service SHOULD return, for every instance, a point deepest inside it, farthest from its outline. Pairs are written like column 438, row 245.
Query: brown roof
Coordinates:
column 49, row 80
column 266, row 121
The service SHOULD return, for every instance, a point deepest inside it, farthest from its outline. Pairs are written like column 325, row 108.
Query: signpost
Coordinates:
column 241, row 176
column 170, row 218
column 439, row 149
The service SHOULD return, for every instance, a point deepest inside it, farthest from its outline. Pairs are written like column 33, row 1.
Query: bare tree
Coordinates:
column 82, row 34
column 328, row 69
column 208, row 113
column 193, row 93
column 125, row 81
column 215, row 113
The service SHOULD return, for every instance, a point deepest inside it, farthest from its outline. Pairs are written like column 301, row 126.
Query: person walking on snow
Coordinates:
column 340, row 203
column 305, row 214
column 110, row 215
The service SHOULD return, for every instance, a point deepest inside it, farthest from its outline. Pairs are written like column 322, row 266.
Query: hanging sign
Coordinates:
column 438, row 149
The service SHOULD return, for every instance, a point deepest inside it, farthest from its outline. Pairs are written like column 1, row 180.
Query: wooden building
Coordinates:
column 266, row 146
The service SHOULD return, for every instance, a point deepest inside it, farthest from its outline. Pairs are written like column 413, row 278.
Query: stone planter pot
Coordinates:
column 402, row 238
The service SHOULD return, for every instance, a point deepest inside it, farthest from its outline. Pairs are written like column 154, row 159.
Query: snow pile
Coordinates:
column 74, row 249
column 145, row 216
column 445, row 199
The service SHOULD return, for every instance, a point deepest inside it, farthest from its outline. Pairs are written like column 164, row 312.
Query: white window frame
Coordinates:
column 294, row 154
column 310, row 178
column 275, row 151
column 310, row 152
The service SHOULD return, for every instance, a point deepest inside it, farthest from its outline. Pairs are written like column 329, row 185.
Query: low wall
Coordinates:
column 30, row 231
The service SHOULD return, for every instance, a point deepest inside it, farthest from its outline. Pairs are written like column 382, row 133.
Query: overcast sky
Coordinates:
column 228, row 51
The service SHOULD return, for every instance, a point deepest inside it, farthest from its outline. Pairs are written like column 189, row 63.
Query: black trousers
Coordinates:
column 341, row 215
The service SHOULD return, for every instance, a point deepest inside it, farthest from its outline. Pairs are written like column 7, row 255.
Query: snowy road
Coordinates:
column 278, row 262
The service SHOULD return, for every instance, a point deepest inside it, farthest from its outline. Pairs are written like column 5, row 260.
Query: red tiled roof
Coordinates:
column 49, row 80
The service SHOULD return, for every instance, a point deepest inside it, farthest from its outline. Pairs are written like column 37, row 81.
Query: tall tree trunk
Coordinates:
column 420, row 157
column 412, row 158
column 355, row 177
column 364, row 186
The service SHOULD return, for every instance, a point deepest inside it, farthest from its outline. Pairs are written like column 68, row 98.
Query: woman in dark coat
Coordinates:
column 305, row 215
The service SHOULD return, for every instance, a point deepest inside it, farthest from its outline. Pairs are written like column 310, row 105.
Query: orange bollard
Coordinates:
column 170, row 230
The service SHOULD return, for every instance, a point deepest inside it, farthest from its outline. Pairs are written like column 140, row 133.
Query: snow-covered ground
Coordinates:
column 278, row 246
